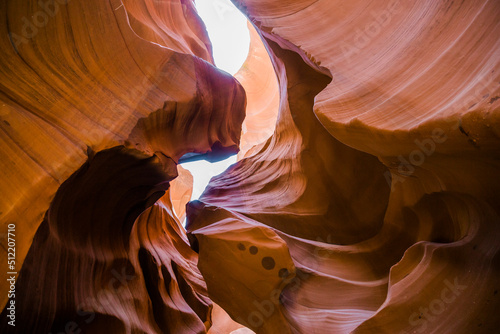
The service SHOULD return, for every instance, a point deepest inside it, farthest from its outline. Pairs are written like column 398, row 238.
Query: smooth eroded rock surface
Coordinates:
column 366, row 195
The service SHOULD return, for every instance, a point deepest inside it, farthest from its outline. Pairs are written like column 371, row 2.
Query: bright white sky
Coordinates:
column 203, row 171
column 228, row 32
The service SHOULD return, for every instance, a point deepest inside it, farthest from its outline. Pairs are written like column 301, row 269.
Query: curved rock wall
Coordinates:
column 89, row 101
column 373, row 207
column 381, row 177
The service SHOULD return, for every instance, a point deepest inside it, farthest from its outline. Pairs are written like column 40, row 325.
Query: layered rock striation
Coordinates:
column 365, row 198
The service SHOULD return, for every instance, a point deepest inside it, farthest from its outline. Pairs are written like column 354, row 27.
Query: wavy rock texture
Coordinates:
column 372, row 208
column 259, row 81
column 98, row 271
column 181, row 189
column 66, row 87
column 107, row 97
column 381, row 177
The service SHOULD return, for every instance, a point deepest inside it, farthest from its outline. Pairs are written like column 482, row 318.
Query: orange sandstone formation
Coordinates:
column 372, row 208
column 181, row 189
column 74, row 88
column 261, row 87
column 381, row 177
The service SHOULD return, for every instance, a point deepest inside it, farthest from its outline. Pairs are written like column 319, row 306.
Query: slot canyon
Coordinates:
column 365, row 197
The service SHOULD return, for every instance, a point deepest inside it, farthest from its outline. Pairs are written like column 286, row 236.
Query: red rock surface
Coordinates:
column 372, row 208
column 87, row 80
column 261, row 87
column 181, row 189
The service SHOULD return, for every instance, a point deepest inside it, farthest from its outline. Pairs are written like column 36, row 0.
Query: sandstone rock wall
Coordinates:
column 371, row 206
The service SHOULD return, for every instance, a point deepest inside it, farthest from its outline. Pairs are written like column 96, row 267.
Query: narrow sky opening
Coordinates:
column 228, row 32
column 203, row 171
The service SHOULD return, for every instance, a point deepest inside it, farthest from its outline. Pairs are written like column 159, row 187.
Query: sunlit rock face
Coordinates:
column 381, row 178
column 98, row 104
column 372, row 208
column 261, row 87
